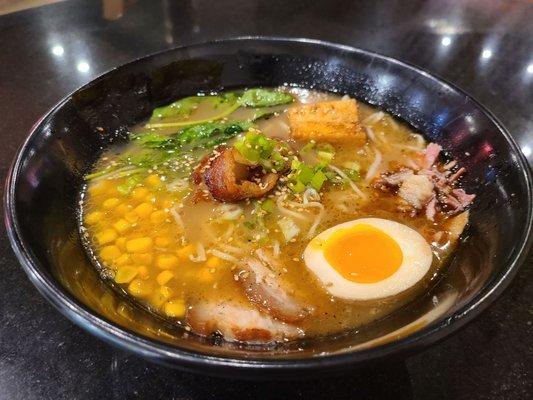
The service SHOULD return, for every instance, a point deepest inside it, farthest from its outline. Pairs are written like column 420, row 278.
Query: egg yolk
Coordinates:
column 363, row 254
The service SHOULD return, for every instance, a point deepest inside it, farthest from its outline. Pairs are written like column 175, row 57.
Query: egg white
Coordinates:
column 417, row 259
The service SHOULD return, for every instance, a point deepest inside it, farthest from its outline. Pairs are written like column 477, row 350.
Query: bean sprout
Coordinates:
column 229, row 248
column 318, row 219
column 200, row 254
column 224, row 256
column 285, row 211
column 177, row 217
column 370, row 133
column 373, row 169
column 373, row 118
column 276, row 249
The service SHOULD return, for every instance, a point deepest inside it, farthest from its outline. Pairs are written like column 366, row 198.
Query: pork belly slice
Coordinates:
column 237, row 322
column 266, row 289
column 229, row 180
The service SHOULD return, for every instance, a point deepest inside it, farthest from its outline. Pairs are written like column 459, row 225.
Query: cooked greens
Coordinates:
column 180, row 108
column 264, row 98
column 157, row 148
column 227, row 102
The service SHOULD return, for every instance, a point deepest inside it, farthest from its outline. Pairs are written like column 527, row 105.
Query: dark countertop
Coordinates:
column 485, row 47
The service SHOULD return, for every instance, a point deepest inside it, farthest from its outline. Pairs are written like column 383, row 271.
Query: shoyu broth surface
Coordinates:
column 205, row 215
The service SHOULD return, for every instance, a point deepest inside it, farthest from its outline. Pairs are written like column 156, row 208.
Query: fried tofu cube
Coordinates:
column 329, row 121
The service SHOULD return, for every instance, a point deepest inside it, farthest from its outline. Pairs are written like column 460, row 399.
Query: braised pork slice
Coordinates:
column 229, row 180
column 238, row 323
column 417, row 190
column 265, row 288
column 430, row 186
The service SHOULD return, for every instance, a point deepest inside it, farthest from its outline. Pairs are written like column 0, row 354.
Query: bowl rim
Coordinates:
column 164, row 353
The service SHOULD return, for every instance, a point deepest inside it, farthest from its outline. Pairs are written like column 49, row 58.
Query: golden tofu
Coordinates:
column 329, row 121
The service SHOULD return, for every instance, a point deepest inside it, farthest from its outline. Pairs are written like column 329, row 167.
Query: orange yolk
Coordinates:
column 363, row 254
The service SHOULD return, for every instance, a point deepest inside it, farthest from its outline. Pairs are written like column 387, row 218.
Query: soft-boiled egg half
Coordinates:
column 368, row 258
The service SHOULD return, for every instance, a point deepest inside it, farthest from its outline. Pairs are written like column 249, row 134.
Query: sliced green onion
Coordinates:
column 268, row 205
column 128, row 185
column 318, row 180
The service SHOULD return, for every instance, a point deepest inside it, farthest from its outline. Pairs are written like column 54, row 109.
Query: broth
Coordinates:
column 165, row 241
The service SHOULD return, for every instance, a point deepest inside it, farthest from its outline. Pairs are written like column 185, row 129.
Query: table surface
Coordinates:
column 484, row 47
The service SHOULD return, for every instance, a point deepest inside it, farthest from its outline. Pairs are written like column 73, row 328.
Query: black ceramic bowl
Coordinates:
column 47, row 175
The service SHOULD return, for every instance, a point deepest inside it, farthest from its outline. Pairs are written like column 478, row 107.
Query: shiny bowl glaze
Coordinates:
column 47, row 175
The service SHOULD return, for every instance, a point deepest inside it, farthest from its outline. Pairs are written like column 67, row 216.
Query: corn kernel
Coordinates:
column 213, row 262
column 160, row 296
column 110, row 253
column 158, row 216
column 93, row 217
column 121, row 225
column 167, row 203
column 122, row 209
column 152, row 180
column 204, row 275
column 139, row 245
column 123, row 259
column 139, row 288
column 150, row 198
column 167, row 261
column 186, row 251
column 143, row 210
column 131, row 217
column 164, row 277
column 99, row 187
column 110, row 203
column 106, row 236
column 125, row 274
column 165, row 291
column 139, row 193
column 121, row 243
column 162, row 241
column 142, row 258
column 175, row 308
column 143, row 272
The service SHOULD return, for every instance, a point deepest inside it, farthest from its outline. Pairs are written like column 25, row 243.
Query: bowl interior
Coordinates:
column 43, row 196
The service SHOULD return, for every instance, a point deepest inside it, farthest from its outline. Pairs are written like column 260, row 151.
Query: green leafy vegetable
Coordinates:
column 231, row 102
column 128, row 185
column 195, row 135
column 157, row 148
column 264, row 98
column 230, row 109
column 261, row 113
column 181, row 108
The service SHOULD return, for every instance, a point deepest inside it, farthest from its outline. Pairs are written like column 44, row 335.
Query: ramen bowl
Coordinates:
column 47, row 177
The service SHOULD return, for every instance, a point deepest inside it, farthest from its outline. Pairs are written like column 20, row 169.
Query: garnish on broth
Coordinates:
column 273, row 214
